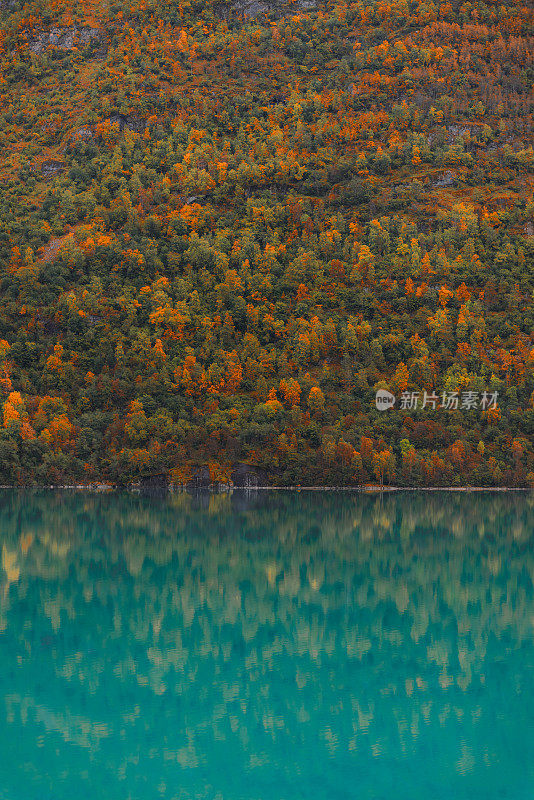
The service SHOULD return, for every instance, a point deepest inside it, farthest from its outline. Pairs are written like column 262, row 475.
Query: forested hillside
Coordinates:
column 224, row 226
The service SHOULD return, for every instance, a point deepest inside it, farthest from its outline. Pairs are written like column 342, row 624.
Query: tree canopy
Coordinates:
column 222, row 233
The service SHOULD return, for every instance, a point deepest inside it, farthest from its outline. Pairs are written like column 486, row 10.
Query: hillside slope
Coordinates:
column 226, row 226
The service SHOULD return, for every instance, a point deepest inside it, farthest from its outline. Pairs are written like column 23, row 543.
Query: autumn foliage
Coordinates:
column 221, row 235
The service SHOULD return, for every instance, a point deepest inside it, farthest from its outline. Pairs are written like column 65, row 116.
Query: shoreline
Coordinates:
column 182, row 488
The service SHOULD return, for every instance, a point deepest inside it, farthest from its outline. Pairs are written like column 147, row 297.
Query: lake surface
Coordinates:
column 267, row 646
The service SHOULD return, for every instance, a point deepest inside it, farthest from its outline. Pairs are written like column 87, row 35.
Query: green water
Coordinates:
column 273, row 646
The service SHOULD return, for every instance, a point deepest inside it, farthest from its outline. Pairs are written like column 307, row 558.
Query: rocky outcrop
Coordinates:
column 200, row 480
column 152, row 484
column 84, row 133
column 246, row 477
column 127, row 122
column 63, row 38
column 243, row 476
column 455, row 131
column 444, row 181
column 251, row 9
column 50, row 169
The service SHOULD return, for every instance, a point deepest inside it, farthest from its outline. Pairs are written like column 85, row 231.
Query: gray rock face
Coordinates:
column 252, row 8
column 447, row 179
column 255, row 8
column 201, row 480
column 63, row 38
column 456, row 132
column 247, row 477
column 153, row 483
column 129, row 123
column 83, row 134
column 243, row 477
column 49, row 169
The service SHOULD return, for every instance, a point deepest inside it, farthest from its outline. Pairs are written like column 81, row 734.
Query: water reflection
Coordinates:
column 263, row 647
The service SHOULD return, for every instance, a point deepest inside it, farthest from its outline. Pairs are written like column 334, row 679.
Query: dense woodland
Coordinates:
column 224, row 227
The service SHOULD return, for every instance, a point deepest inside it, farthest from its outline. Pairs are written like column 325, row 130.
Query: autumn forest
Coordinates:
column 226, row 224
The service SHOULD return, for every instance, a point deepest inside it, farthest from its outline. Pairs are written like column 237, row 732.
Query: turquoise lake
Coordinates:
column 267, row 646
